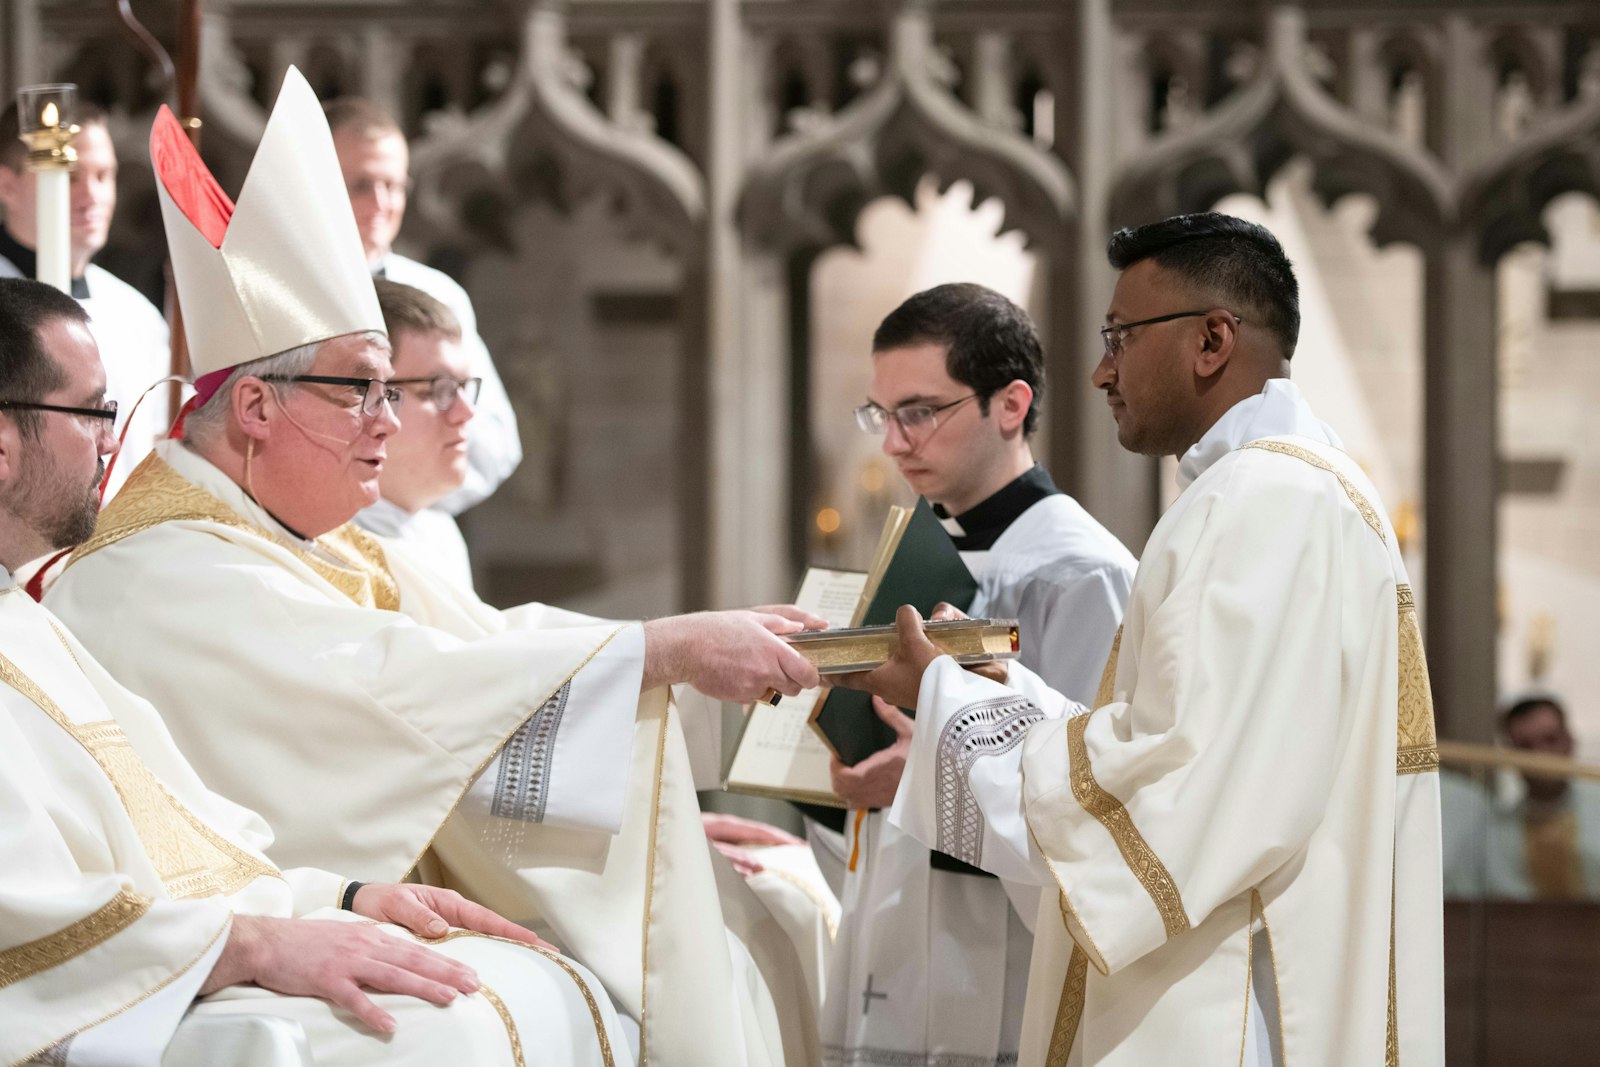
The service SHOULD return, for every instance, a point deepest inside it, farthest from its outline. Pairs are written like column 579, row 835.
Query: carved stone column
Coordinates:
column 747, row 372
column 1118, row 488
column 1460, row 424
column 1460, row 491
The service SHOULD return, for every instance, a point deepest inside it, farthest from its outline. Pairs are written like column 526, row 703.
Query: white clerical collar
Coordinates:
column 7, row 583
column 1278, row 410
column 201, row 472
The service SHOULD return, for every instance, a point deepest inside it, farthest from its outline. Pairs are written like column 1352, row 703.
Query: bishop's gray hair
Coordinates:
column 205, row 423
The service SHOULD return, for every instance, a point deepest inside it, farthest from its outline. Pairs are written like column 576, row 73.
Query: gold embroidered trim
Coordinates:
column 1069, row 1011
column 155, row 493
column 115, row 915
column 1108, row 677
column 572, row 972
column 1391, row 1041
column 1272, row 953
column 1368, row 512
column 505, row 1017
column 141, row 998
column 1417, row 748
column 1136, row 852
column 650, row 889
column 192, row 859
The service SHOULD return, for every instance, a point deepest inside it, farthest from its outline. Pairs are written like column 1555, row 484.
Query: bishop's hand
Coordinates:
column 727, row 655
column 899, row 679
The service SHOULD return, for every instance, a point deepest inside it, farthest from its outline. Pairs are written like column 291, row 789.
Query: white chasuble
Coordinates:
column 1246, row 824
column 930, row 964
column 119, row 877
column 373, row 712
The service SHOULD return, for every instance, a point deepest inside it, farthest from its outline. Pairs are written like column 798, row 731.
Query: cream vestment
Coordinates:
column 375, row 713
column 120, row 874
column 1259, row 772
column 931, row 963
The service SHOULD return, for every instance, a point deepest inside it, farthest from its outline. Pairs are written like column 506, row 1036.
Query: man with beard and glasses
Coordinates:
column 140, row 922
column 131, row 332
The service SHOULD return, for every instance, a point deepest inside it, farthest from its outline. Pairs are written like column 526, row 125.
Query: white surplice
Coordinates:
column 377, row 714
column 434, row 531
column 136, row 349
column 1257, row 781
column 494, row 448
column 930, row 965
column 120, row 875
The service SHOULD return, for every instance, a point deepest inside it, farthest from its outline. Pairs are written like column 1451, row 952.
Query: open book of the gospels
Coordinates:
column 785, row 748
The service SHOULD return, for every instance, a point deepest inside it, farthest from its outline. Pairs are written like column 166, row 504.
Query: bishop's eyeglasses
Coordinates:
column 444, row 391
column 1115, row 335
column 916, row 420
column 373, row 391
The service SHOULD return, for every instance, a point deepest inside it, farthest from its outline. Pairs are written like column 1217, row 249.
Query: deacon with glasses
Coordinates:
column 377, row 715
column 1238, row 838
column 428, row 455
column 957, row 384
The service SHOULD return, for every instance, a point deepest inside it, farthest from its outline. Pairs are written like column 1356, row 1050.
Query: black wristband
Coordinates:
column 347, row 902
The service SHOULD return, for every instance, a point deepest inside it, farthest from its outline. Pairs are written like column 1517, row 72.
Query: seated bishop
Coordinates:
column 140, row 921
column 376, row 714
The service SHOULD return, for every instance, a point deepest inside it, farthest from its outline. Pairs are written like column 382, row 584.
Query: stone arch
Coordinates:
column 1503, row 201
column 1281, row 112
column 545, row 131
column 810, row 189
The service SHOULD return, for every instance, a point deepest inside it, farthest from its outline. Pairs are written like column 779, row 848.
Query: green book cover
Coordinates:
column 925, row 570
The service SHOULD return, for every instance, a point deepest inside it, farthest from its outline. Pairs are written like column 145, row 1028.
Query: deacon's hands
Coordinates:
column 727, row 655
column 873, row 782
column 335, row 961
column 429, row 911
column 900, row 678
column 994, row 670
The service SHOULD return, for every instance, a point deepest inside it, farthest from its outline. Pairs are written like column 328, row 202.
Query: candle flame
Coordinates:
column 50, row 116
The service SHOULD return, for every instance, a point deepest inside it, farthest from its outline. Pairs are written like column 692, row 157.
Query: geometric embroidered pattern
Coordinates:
column 988, row 728
column 21, row 962
column 1069, row 1011
column 1417, row 747
column 864, row 1056
column 523, row 787
column 1136, row 852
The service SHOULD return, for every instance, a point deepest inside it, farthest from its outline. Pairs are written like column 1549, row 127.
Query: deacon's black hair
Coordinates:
column 1237, row 263
column 28, row 372
column 989, row 341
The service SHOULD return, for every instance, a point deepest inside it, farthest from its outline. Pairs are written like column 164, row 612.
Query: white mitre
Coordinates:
column 282, row 268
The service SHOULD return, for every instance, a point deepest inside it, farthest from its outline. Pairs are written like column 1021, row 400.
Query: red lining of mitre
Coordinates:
column 187, row 180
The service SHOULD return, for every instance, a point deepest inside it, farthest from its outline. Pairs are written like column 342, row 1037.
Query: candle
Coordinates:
column 45, row 111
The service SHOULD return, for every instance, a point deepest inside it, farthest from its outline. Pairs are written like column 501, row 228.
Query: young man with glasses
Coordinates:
column 375, row 162
column 1238, row 837
column 427, row 458
column 957, row 381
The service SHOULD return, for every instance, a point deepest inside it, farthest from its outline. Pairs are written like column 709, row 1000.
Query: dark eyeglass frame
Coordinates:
column 1114, row 335
column 376, row 389
column 444, row 396
column 865, row 418
column 109, row 412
